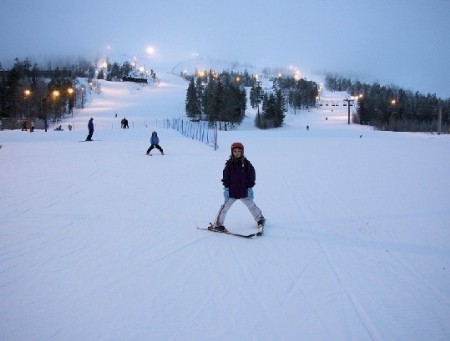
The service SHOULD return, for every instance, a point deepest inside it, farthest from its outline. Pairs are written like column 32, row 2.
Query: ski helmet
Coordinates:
column 237, row 145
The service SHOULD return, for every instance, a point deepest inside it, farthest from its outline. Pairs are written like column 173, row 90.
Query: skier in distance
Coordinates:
column 154, row 143
column 91, row 129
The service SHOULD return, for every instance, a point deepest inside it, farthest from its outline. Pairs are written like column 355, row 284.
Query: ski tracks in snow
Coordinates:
column 440, row 296
column 250, row 295
column 340, row 233
column 323, row 197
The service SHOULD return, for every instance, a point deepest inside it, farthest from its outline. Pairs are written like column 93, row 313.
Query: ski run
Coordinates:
column 99, row 241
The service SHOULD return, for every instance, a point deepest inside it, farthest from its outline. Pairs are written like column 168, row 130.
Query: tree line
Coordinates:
column 301, row 93
column 287, row 91
column 28, row 92
column 115, row 71
column 222, row 98
column 219, row 99
column 392, row 108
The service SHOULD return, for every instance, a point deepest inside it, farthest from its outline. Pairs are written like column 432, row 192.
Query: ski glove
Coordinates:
column 226, row 193
column 250, row 193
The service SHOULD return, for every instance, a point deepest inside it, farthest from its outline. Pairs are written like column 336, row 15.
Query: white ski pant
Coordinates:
column 254, row 210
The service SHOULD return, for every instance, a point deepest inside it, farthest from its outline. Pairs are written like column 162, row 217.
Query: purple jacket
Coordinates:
column 238, row 176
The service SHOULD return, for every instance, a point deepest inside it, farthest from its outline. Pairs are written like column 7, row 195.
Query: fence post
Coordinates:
column 195, row 130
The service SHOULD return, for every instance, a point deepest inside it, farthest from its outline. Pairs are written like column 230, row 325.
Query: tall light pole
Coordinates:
column 27, row 94
column 55, row 95
column 82, row 97
column 70, row 92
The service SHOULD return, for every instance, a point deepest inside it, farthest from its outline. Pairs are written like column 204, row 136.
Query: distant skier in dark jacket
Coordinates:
column 91, row 129
column 238, row 179
column 154, row 143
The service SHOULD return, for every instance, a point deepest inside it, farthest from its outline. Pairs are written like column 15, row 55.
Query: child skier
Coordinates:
column 154, row 143
column 238, row 180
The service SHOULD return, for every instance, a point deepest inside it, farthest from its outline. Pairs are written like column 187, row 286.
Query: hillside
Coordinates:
column 99, row 241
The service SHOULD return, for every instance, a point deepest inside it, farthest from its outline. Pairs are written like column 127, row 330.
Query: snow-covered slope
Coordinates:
column 99, row 241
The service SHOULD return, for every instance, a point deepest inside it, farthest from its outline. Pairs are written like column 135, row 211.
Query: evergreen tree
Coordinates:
column 273, row 111
column 234, row 104
column 280, row 109
column 199, row 93
column 256, row 95
column 114, row 72
column 193, row 107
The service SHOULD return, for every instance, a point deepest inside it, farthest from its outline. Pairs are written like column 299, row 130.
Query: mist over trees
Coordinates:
column 221, row 98
column 28, row 91
column 392, row 108
column 116, row 72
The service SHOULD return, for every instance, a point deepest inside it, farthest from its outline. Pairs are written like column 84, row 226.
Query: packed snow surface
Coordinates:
column 98, row 241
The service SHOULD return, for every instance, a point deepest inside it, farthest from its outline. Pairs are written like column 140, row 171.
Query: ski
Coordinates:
column 251, row 235
column 89, row 141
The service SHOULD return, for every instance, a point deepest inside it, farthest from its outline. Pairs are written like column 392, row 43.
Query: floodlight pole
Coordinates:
column 348, row 107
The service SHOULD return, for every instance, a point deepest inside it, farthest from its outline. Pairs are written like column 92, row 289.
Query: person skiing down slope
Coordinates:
column 91, row 129
column 154, row 143
column 238, row 179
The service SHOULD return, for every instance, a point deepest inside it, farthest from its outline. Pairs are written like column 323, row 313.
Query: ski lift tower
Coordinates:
column 349, row 103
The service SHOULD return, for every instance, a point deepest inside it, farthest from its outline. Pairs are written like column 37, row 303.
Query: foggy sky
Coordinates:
column 401, row 42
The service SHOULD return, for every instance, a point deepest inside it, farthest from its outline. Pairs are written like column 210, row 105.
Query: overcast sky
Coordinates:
column 402, row 42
